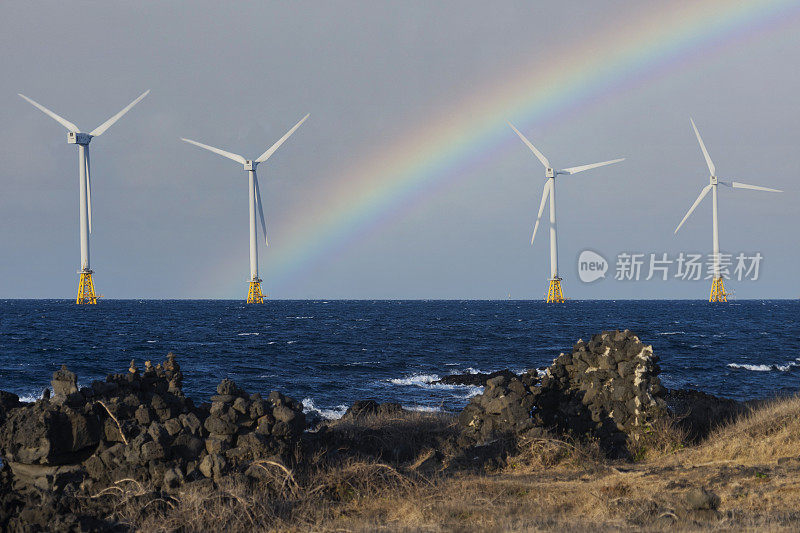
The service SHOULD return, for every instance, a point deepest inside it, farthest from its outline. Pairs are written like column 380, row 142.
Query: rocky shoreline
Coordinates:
column 67, row 453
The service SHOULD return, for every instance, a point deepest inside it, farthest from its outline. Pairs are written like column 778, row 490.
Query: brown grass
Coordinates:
column 549, row 484
column 765, row 434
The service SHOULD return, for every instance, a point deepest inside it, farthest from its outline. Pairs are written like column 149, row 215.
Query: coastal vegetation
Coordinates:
column 593, row 443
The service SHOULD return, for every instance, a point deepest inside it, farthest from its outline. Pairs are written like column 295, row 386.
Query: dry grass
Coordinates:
column 550, row 484
column 765, row 434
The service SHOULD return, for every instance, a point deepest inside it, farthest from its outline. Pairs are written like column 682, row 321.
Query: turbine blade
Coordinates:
column 260, row 209
column 575, row 170
column 737, row 185
column 223, row 153
column 695, row 204
column 266, row 155
column 710, row 163
column 99, row 130
column 536, row 152
column 545, row 193
column 61, row 120
column 88, row 186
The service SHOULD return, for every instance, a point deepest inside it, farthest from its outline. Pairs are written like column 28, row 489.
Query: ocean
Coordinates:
column 331, row 353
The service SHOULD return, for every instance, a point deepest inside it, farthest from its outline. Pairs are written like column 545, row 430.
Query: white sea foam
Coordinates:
column 422, row 408
column 328, row 414
column 427, row 381
column 300, row 317
column 149, row 342
column 290, row 342
column 672, row 333
column 766, row 368
column 474, row 391
column 30, row 397
column 420, row 380
column 247, row 334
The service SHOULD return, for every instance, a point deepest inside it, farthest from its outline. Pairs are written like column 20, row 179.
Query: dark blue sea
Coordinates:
column 330, row 353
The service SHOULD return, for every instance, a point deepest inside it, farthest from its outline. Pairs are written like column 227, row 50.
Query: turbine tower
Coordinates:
column 254, row 294
column 86, row 293
column 554, row 292
column 718, row 293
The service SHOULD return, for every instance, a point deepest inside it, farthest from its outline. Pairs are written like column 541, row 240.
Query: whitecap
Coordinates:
column 30, row 397
column 148, row 342
column 422, row 408
column 290, row 342
column 328, row 414
column 765, row 368
column 672, row 333
column 247, row 334
column 474, row 391
column 419, row 380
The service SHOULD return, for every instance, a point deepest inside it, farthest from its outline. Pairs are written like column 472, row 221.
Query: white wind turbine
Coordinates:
column 554, row 293
column 717, row 286
column 86, row 293
column 254, row 294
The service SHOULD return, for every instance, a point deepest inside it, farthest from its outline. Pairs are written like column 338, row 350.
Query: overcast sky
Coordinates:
column 170, row 221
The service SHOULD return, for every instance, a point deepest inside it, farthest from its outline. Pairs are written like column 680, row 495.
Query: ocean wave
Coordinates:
column 766, row 368
column 422, row 408
column 328, row 414
column 246, row 334
column 427, row 381
column 672, row 333
column 420, row 380
column 300, row 317
column 30, row 397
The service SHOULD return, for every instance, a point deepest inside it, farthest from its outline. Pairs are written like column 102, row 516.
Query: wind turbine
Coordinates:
column 554, row 293
column 254, row 294
column 718, row 293
column 86, row 293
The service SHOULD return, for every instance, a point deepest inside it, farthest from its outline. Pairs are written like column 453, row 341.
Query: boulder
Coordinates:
column 49, row 434
column 607, row 388
column 64, row 383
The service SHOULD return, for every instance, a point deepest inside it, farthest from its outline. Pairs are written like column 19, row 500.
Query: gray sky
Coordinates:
column 170, row 221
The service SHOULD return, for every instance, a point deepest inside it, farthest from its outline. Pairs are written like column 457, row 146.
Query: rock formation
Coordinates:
column 607, row 388
column 139, row 425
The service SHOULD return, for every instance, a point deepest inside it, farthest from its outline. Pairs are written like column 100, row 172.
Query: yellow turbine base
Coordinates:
column 718, row 293
column 86, row 289
column 254, row 295
column 554, row 294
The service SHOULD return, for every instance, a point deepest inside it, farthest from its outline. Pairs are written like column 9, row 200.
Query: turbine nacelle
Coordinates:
column 250, row 166
column 549, row 187
column 74, row 137
column 713, row 182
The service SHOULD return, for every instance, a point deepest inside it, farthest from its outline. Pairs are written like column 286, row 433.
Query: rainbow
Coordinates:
column 427, row 158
